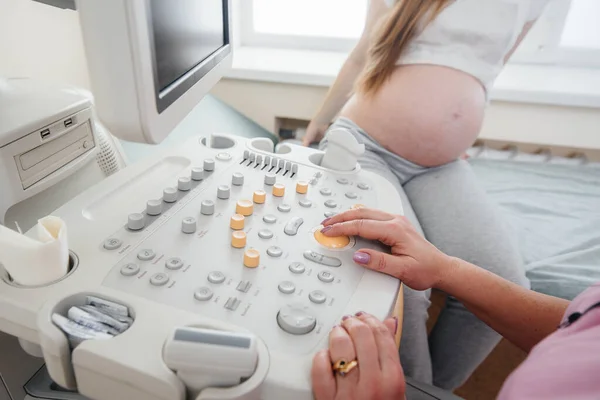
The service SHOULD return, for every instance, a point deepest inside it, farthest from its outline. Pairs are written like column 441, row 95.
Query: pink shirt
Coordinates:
column 565, row 365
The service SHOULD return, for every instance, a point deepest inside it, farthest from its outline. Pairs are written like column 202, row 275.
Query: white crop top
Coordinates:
column 472, row 36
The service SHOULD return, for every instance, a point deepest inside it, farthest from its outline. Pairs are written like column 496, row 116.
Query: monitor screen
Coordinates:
column 189, row 38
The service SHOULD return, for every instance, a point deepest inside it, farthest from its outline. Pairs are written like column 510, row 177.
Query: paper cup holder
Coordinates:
column 73, row 264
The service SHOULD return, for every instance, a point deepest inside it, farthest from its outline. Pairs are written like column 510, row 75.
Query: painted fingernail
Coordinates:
column 335, row 326
column 396, row 325
column 361, row 258
column 325, row 221
column 345, row 317
column 326, row 229
column 358, row 314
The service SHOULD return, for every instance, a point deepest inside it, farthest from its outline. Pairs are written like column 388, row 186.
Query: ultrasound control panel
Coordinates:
column 221, row 232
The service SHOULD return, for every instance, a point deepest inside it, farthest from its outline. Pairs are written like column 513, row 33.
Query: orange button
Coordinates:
column 238, row 239
column 357, row 206
column 278, row 190
column 251, row 258
column 302, row 187
column 259, row 196
column 336, row 242
column 244, row 207
column 237, row 222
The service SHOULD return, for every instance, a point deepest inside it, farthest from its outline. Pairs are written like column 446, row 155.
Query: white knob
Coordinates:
column 237, row 179
column 197, row 173
column 184, row 184
column 223, row 192
column 207, row 207
column 246, row 154
column 274, row 162
column 135, row 221
column 259, row 159
column 295, row 168
column 154, row 207
column 270, row 179
column 170, row 195
column 209, row 164
column 288, row 165
column 188, row 225
column 267, row 160
column 281, row 163
column 252, row 157
column 296, row 319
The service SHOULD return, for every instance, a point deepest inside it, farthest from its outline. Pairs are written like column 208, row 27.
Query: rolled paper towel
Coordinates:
column 33, row 262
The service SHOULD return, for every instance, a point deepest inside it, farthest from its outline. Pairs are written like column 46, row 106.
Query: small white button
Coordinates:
column 203, row 294
column 86, row 144
column 184, row 184
column 188, row 225
column 265, row 234
column 207, row 207
column 159, row 279
column 284, row 207
column 237, row 179
column 270, row 219
column 342, row 181
column 246, row 154
column 270, row 179
column 363, row 186
column 281, row 164
column 170, row 195
column 223, row 192
column 267, row 160
column 274, row 251
column 295, row 168
column 351, row 195
column 297, row 268
column 244, row 286
column 112, row 243
column 325, row 191
column 259, row 159
column 146, row 255
column 305, row 203
column 223, row 156
column 329, row 214
column 136, row 221
column 232, row 303
column 322, row 259
column 287, row 287
column 252, row 157
column 291, row 228
column 216, row 277
column 331, row 204
column 130, row 269
column 209, row 164
column 325, row 276
column 274, row 161
column 197, row 173
column 174, row 263
column 317, row 296
column 288, row 165
column 153, row 207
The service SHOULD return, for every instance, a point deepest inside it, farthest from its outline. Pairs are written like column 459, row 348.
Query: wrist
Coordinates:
column 449, row 268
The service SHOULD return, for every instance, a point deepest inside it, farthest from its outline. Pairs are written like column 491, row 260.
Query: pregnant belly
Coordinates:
column 426, row 114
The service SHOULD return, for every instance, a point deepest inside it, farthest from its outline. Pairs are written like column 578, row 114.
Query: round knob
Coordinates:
column 336, row 242
column 188, row 225
column 244, row 207
column 238, row 239
column 237, row 179
column 209, row 164
column 296, row 319
column 135, row 221
column 259, row 196
column 223, row 192
column 207, row 207
column 154, row 207
column 237, row 222
column 170, row 195
column 278, row 190
column 184, row 184
column 270, row 179
column 197, row 173
column 302, row 187
column 251, row 258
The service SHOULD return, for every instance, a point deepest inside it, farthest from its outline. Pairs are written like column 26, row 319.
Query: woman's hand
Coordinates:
column 413, row 260
column 314, row 132
column 378, row 375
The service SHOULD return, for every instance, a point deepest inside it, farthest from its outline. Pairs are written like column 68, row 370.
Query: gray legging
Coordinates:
column 452, row 210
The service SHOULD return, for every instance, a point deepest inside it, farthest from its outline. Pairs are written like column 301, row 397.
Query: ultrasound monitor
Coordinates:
column 152, row 61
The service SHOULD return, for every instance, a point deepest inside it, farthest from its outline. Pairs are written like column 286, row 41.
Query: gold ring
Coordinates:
column 342, row 367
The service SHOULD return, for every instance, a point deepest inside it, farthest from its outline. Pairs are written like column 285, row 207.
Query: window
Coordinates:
column 567, row 34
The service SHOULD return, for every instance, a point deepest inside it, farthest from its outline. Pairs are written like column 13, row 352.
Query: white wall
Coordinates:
column 40, row 41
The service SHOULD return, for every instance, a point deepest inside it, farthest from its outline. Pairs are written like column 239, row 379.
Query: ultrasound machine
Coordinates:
column 206, row 258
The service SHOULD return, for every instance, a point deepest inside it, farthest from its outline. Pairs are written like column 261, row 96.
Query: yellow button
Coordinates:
column 302, row 187
column 251, row 258
column 238, row 239
column 336, row 242
column 259, row 196
column 244, row 207
column 278, row 190
column 237, row 222
column 357, row 206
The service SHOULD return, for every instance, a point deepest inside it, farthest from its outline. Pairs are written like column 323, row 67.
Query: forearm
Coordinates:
column 522, row 316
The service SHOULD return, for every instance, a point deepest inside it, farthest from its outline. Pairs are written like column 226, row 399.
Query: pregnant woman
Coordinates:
column 414, row 91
